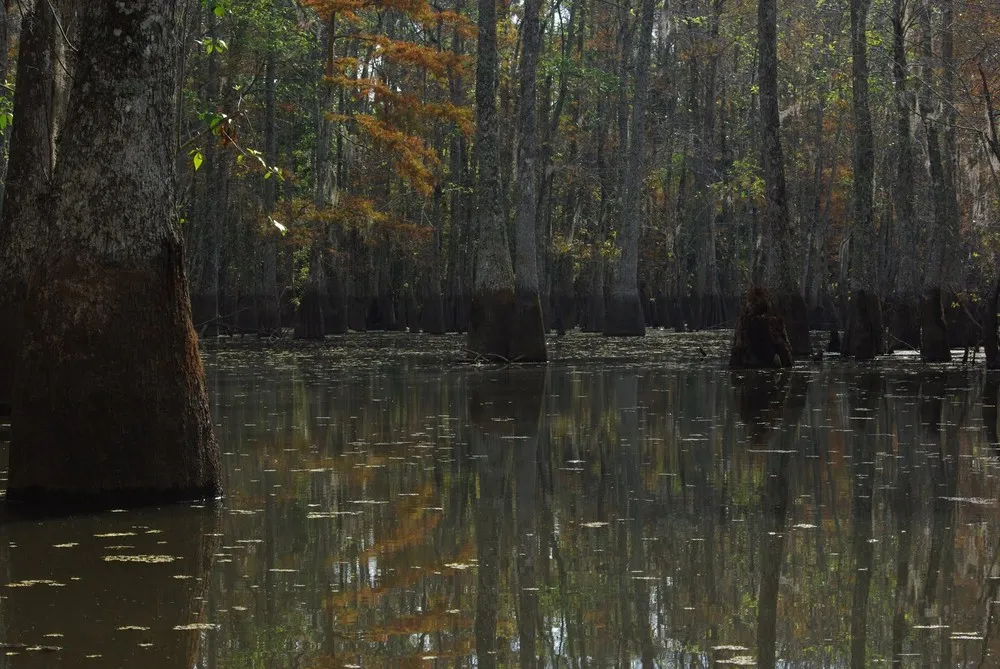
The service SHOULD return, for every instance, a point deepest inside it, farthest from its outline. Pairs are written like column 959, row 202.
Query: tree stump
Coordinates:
column 761, row 340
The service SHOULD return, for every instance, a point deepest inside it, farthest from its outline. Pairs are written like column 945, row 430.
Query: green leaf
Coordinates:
column 219, row 10
column 197, row 159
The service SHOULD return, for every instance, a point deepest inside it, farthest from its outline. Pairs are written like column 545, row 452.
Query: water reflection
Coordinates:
column 585, row 515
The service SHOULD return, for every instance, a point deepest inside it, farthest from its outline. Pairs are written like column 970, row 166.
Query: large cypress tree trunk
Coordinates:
column 865, row 337
column 779, row 274
column 933, row 327
column 266, row 300
column 905, row 323
column 528, row 335
column 110, row 404
column 493, row 302
column 624, row 311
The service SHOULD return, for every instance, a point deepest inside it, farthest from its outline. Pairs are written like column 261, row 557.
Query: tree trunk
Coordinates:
column 206, row 299
column 904, row 324
column 111, row 405
column 494, row 307
column 933, row 327
column 865, row 337
column 624, row 311
column 528, row 334
column 30, row 166
column 266, row 302
column 779, row 273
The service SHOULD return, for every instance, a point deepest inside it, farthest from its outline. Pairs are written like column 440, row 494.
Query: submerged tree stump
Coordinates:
column 761, row 340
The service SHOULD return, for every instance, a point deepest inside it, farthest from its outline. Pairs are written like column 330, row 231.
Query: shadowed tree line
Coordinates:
column 350, row 165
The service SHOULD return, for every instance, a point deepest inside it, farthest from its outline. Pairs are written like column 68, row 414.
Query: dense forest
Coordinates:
column 344, row 164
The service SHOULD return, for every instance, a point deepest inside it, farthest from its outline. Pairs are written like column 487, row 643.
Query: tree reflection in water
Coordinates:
column 583, row 515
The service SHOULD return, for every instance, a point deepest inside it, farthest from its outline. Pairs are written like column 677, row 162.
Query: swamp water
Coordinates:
column 634, row 504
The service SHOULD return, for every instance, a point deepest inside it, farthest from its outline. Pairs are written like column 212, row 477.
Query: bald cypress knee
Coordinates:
column 110, row 404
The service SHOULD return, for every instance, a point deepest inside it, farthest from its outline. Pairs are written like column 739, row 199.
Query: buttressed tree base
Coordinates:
column 109, row 404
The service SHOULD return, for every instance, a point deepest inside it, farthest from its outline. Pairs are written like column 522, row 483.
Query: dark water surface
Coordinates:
column 631, row 505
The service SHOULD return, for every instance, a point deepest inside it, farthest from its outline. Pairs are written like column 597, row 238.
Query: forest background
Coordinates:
column 327, row 171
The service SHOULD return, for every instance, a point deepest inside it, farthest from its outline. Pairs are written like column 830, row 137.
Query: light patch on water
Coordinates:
column 144, row 559
column 36, row 581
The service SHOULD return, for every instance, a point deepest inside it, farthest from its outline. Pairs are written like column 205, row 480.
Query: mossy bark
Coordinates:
column 792, row 307
column 111, row 407
column 309, row 322
column 493, row 316
column 933, row 328
column 624, row 316
column 760, row 340
column 865, row 333
column 432, row 313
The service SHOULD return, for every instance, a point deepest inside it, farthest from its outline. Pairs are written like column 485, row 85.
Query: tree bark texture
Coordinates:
column 494, row 306
column 29, row 171
column 111, row 405
column 904, row 323
column 529, row 331
column 266, row 300
column 779, row 271
column 865, row 338
column 624, row 310
column 933, row 326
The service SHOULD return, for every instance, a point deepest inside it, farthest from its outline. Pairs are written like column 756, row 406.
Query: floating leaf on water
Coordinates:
column 196, row 626
column 975, row 501
column 145, row 559
column 53, row 635
column 137, row 628
column 182, row 577
column 453, row 611
column 594, row 524
column 145, row 645
column 43, row 649
column 804, row 526
column 35, row 581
